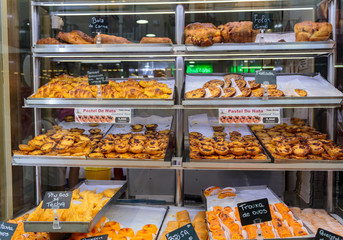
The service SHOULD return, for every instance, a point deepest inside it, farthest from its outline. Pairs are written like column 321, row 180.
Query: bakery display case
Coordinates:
column 176, row 66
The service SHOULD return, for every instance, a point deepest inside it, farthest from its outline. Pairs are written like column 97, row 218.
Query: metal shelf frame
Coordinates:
column 179, row 53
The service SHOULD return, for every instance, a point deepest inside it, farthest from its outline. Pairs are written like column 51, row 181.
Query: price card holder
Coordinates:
column 254, row 212
column 186, row 232
column 7, row 230
column 101, row 237
column 264, row 76
column 323, row 234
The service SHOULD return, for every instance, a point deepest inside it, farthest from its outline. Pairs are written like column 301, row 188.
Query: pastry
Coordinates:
column 258, row 92
column 238, row 151
column 151, row 127
column 137, row 127
column 126, row 232
column 312, row 31
column 226, row 193
column 254, row 85
column 210, row 191
column 215, row 91
column 301, row 92
column 202, row 34
column 241, row 83
column 155, row 40
column 206, row 150
column 229, row 92
column 111, row 39
column 48, row 41
column 183, row 218
column 221, row 148
column 197, row 93
column 218, row 128
column 275, row 93
column 73, row 38
column 215, row 82
column 246, row 92
column 239, row 32
column 283, row 149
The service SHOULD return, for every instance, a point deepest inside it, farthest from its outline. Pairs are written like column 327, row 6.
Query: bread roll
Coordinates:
column 111, row 39
column 156, row 40
column 312, row 31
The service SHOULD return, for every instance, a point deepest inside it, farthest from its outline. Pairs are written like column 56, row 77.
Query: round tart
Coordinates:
column 300, row 150
column 218, row 128
column 214, row 82
column 301, row 92
column 196, row 93
column 229, row 92
column 137, row 127
column 151, row 127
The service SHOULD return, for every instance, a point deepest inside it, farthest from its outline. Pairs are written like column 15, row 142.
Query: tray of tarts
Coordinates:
column 73, row 143
column 239, row 148
column 144, row 142
column 224, row 220
column 64, row 88
column 298, row 142
column 90, row 202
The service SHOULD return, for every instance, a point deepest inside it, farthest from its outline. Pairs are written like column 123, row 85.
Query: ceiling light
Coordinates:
column 192, row 62
column 150, row 35
column 142, row 21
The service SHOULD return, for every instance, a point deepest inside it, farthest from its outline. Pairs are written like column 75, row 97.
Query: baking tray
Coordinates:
column 201, row 123
column 84, row 227
column 251, row 193
column 163, row 123
column 171, row 215
column 136, row 216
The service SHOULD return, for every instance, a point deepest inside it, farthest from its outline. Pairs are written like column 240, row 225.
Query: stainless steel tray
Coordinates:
column 85, row 227
column 136, row 216
column 264, row 192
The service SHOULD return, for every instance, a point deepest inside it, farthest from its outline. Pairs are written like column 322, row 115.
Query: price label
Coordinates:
column 97, row 77
column 249, row 115
column 326, row 235
column 262, row 21
column 7, row 230
column 254, row 212
column 98, row 24
column 57, row 200
column 103, row 115
column 101, row 237
column 186, row 232
column 263, row 76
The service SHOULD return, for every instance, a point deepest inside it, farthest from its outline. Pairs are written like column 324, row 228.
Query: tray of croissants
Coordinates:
column 297, row 142
column 227, row 86
column 224, row 220
column 69, row 87
column 209, row 142
column 146, row 139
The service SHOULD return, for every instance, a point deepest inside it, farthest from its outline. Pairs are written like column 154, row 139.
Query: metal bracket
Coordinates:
column 56, row 222
column 176, row 161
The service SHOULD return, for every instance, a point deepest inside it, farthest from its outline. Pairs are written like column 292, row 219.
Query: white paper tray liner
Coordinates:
column 102, row 126
column 162, row 122
column 275, row 37
column 315, row 86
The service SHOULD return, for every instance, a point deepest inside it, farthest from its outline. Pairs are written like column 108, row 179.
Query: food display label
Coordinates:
column 57, row 200
column 101, row 237
column 97, row 77
column 326, row 235
column 249, row 115
column 103, row 115
column 7, row 230
column 265, row 77
column 262, row 21
column 254, row 212
column 186, row 232
column 98, row 24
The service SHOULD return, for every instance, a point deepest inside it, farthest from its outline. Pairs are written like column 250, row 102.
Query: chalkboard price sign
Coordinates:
column 186, row 232
column 253, row 212
column 98, row 24
column 57, row 200
column 326, row 235
column 7, row 230
column 262, row 21
column 97, row 77
column 101, row 237
column 263, row 76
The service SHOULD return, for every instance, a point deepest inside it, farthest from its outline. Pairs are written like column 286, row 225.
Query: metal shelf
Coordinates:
column 58, row 161
column 74, row 103
column 285, row 102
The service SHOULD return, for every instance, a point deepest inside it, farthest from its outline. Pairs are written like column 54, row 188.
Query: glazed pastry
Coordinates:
column 222, row 148
column 215, row 82
column 300, row 150
column 215, row 91
column 137, row 127
column 238, row 151
column 206, row 150
column 301, row 92
column 210, row 191
column 155, row 40
column 197, row 93
column 229, row 92
column 151, row 127
column 218, row 128
column 283, row 149
column 121, row 146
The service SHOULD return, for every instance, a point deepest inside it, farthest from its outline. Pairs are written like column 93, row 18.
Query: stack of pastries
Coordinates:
column 65, row 86
column 150, row 145
column 116, row 232
column 206, row 34
column 297, row 142
column 318, row 218
column 183, row 218
column 225, row 221
column 61, row 142
column 217, row 147
column 229, row 87
column 20, row 234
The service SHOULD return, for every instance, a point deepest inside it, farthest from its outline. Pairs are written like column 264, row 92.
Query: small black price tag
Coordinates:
column 98, row 24
column 186, row 232
column 270, row 120
column 7, row 230
column 265, row 76
column 57, row 200
column 253, row 212
column 326, row 235
column 101, row 237
column 122, row 120
column 97, row 77
column 262, row 20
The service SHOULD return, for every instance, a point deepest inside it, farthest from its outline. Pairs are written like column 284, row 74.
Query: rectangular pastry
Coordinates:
column 156, row 40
